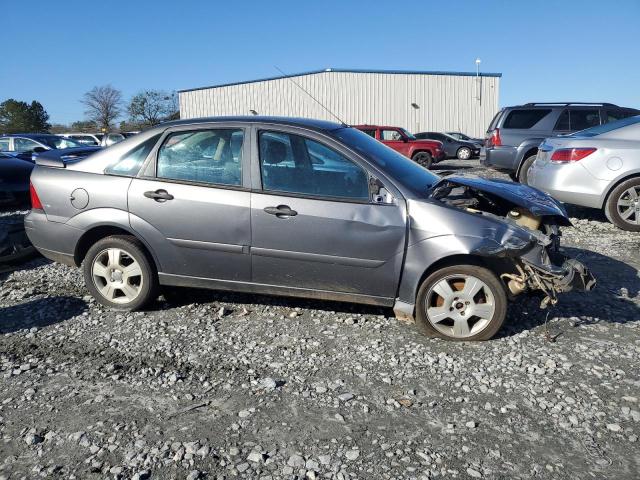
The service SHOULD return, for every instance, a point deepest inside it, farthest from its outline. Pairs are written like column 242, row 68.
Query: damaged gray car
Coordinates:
column 301, row 208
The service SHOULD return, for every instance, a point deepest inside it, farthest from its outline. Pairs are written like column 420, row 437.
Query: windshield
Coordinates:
column 59, row 142
column 606, row 128
column 411, row 137
column 397, row 166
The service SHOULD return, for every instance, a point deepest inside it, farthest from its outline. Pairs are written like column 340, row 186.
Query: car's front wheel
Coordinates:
column 463, row 153
column 461, row 302
column 423, row 158
column 623, row 205
column 119, row 274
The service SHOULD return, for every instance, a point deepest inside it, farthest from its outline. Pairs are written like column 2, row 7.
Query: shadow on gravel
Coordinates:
column 450, row 169
column 585, row 213
column 604, row 304
column 186, row 296
column 39, row 313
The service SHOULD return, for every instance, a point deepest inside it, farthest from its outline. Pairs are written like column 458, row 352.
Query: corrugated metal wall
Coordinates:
column 447, row 102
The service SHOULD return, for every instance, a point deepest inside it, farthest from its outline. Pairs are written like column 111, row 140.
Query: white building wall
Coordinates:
column 447, row 102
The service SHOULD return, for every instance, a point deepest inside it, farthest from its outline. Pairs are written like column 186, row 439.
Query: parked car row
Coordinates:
column 300, row 208
column 17, row 153
column 585, row 154
column 98, row 139
column 515, row 133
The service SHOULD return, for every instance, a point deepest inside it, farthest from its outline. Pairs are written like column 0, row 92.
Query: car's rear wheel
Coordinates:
column 119, row 274
column 423, row 158
column 463, row 153
column 523, row 174
column 623, row 205
column 461, row 303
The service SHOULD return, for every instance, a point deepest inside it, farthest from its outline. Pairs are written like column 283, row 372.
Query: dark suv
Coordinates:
column 512, row 139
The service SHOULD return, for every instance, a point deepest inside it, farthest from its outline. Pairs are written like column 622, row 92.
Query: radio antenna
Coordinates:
column 288, row 77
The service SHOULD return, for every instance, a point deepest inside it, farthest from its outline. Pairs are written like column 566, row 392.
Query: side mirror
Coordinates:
column 405, row 139
column 39, row 150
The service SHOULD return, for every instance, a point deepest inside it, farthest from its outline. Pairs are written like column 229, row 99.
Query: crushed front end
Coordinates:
column 528, row 253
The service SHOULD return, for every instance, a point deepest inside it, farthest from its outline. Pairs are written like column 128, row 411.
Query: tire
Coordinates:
column 458, row 322
column 523, row 174
column 463, row 153
column 623, row 208
column 423, row 158
column 119, row 273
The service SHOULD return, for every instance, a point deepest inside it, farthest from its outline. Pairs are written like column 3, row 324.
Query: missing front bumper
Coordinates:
column 550, row 280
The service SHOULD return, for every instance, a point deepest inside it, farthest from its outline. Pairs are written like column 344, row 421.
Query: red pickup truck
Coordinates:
column 423, row 152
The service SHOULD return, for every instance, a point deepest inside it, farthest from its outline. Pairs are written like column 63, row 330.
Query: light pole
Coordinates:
column 478, row 61
column 479, row 97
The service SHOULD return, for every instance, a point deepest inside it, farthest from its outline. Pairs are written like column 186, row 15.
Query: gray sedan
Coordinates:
column 301, row 208
column 598, row 167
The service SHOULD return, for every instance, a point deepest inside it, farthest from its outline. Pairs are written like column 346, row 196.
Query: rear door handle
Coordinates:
column 281, row 211
column 159, row 195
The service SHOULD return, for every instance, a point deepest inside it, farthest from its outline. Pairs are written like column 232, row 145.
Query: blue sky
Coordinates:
column 547, row 51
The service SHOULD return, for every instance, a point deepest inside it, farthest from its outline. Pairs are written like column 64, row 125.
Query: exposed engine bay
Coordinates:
column 531, row 257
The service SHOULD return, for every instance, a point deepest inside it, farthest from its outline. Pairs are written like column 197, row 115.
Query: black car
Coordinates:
column 466, row 138
column 453, row 148
column 14, row 178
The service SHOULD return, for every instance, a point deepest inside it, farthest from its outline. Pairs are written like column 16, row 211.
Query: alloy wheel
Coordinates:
column 460, row 306
column 464, row 154
column 117, row 275
column 628, row 205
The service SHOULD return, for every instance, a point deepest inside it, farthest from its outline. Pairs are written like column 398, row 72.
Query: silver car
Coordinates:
column 301, row 208
column 598, row 167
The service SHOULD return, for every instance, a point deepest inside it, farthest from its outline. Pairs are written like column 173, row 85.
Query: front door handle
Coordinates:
column 281, row 211
column 159, row 195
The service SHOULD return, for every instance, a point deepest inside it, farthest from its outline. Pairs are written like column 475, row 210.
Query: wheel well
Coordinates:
column 615, row 185
column 530, row 152
column 98, row 233
column 421, row 151
column 496, row 265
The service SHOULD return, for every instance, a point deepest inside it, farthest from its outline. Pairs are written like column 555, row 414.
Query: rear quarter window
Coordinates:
column 525, row 118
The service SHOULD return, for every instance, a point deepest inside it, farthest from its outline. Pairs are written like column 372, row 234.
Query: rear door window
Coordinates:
column 202, row 156
column 370, row 131
column 584, row 118
column 525, row 118
column 24, row 144
column 563, row 124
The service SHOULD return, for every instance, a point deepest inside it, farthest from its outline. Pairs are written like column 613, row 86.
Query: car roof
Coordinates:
column 292, row 121
column 29, row 135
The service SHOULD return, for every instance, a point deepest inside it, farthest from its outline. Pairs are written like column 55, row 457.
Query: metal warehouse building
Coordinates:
column 415, row 100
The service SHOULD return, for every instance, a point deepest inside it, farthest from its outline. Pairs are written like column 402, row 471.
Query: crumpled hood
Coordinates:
column 534, row 200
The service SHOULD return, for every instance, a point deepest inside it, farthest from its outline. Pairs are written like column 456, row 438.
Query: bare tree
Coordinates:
column 104, row 105
column 152, row 107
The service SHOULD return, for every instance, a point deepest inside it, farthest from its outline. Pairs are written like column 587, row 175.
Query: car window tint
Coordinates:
column 24, row 144
column 4, row 144
column 130, row 163
column 84, row 139
column 370, row 132
column 204, row 156
column 291, row 163
column 390, row 135
column 582, row 118
column 525, row 118
column 563, row 122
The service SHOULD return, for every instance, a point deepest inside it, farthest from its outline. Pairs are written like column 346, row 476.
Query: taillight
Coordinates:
column 35, row 201
column 494, row 140
column 571, row 154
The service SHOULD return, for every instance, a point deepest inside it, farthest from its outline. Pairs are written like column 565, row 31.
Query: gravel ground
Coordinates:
column 238, row 386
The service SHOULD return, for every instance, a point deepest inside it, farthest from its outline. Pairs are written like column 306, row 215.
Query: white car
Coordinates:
column 92, row 139
column 598, row 167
